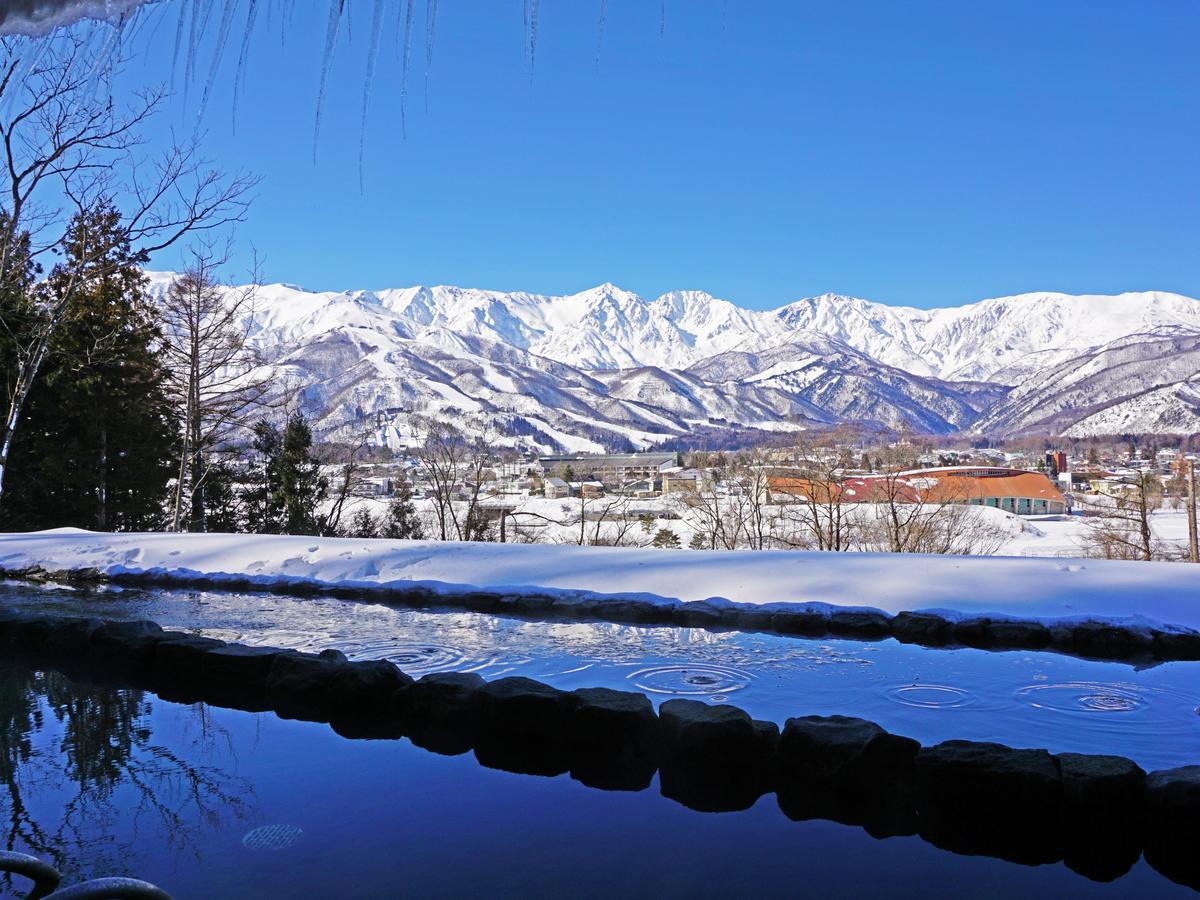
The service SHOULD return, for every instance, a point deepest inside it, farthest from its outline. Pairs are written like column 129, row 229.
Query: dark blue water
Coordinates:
column 218, row 803
column 1021, row 698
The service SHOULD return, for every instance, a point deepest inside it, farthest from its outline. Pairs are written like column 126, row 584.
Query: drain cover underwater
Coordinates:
column 272, row 837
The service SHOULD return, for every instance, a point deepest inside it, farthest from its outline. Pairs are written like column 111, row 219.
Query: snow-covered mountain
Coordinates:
column 1144, row 383
column 606, row 367
column 1001, row 339
column 610, row 328
column 852, row 386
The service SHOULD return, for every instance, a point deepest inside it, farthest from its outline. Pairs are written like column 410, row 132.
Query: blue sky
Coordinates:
column 920, row 153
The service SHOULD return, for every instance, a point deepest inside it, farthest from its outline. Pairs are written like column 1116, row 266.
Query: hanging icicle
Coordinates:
column 189, row 68
column 331, row 33
column 222, row 38
column 431, row 8
column 183, row 11
column 239, row 78
column 524, row 27
column 372, row 53
column 662, row 20
column 404, row 66
column 600, row 32
column 533, row 26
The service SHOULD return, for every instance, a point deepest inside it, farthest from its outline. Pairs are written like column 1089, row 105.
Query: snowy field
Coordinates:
column 1026, row 587
column 558, row 522
column 1066, row 535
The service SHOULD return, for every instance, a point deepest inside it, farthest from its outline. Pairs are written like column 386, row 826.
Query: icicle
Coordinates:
column 218, row 52
column 662, row 22
column 431, row 8
column 183, row 11
column 108, row 46
column 30, row 57
column 331, row 32
column 208, row 8
column 239, row 79
column 372, row 53
column 189, row 67
column 533, row 23
column 600, row 32
column 408, row 22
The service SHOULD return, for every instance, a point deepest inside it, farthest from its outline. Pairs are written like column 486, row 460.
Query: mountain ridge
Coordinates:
column 641, row 369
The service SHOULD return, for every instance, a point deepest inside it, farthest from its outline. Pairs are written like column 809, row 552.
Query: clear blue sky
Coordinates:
column 922, row 153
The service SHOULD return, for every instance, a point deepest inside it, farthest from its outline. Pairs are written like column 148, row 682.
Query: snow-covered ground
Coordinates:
column 1151, row 593
column 557, row 522
column 1067, row 535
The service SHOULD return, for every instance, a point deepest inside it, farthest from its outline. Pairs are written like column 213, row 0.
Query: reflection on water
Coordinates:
column 74, row 761
column 1022, row 698
column 211, row 802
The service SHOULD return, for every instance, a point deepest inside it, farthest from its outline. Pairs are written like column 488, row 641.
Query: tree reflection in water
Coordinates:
column 86, row 787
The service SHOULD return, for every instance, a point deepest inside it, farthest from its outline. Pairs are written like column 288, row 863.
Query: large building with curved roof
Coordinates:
column 1017, row 491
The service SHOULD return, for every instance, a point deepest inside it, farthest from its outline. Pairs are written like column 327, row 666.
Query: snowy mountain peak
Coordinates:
column 607, row 367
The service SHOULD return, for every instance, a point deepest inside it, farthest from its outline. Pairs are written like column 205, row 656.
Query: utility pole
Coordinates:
column 1193, row 540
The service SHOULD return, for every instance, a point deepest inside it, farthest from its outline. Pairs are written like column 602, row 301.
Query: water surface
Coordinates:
column 211, row 802
column 1022, row 698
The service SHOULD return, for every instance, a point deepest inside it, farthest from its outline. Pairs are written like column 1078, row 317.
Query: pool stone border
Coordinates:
column 1075, row 635
column 1097, row 814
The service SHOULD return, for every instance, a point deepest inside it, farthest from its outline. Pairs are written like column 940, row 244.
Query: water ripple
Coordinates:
column 930, row 696
column 1086, row 696
column 698, row 680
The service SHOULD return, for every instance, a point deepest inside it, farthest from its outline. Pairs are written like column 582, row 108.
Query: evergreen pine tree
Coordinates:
column 665, row 538
column 261, row 512
column 362, row 525
column 476, row 527
column 402, row 522
column 94, row 450
column 221, row 498
column 301, row 485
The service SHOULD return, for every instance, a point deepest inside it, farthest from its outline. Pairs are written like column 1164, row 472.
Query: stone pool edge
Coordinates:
column 1098, row 814
column 1092, row 637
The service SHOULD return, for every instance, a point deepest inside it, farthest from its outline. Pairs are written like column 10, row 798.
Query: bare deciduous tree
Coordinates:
column 66, row 150
column 453, row 463
column 1118, row 524
column 216, row 376
column 814, row 511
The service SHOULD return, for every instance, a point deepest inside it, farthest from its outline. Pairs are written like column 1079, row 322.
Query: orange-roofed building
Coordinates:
column 1014, row 490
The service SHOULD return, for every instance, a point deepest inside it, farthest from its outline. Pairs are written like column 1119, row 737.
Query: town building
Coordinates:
column 611, row 468
column 682, row 481
column 556, row 488
column 1017, row 491
column 1014, row 490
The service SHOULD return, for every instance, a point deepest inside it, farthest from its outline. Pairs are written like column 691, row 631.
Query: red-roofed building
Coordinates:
column 1014, row 490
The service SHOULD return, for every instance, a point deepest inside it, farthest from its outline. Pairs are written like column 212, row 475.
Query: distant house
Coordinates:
column 556, row 489
column 685, row 480
column 644, row 488
column 610, row 468
column 589, row 489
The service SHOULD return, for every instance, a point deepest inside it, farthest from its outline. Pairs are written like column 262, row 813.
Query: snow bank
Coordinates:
column 1152, row 594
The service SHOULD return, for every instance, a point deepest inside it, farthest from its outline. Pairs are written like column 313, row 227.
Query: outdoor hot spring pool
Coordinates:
column 208, row 801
